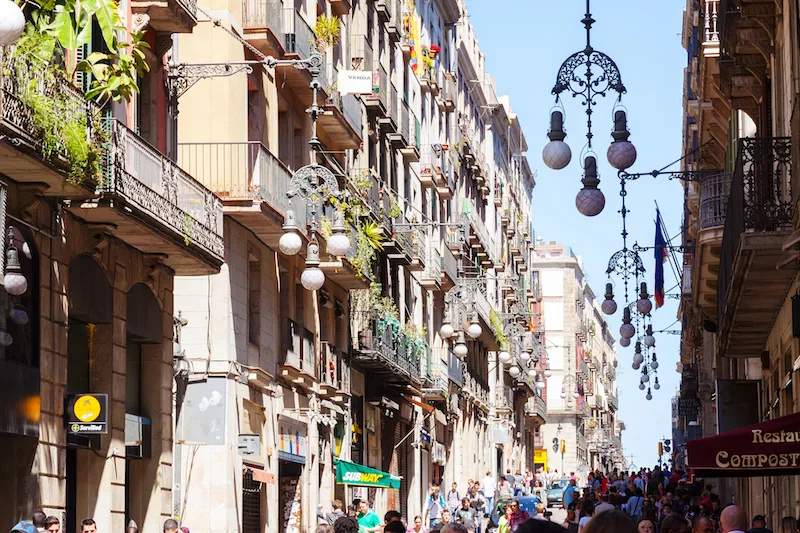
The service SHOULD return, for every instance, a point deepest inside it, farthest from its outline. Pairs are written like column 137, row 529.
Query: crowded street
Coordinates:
column 399, row 266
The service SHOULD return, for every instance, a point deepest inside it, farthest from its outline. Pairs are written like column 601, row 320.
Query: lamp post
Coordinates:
column 588, row 74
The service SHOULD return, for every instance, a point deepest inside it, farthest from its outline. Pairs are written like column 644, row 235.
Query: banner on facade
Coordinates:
column 348, row 473
column 499, row 431
column 770, row 448
column 292, row 442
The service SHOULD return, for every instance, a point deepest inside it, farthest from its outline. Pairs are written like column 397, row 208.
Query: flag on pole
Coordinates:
column 660, row 249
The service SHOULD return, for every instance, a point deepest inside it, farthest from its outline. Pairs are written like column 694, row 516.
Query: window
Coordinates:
column 254, row 296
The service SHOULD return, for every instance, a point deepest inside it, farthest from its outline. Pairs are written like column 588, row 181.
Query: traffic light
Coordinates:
column 555, row 445
column 667, row 449
column 660, row 449
column 563, row 446
column 667, row 442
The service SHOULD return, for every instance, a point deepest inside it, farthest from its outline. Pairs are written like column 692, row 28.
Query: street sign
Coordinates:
column 689, row 407
column 87, row 414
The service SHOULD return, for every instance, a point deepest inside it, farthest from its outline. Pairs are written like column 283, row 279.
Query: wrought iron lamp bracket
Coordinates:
column 181, row 77
column 683, row 175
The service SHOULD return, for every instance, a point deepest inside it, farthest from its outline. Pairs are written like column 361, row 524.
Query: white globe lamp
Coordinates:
column 621, row 153
column 12, row 22
column 290, row 242
column 514, row 371
column 504, row 357
column 338, row 242
column 312, row 278
column 557, row 154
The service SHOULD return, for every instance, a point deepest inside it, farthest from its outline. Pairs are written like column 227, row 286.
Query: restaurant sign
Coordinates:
column 764, row 449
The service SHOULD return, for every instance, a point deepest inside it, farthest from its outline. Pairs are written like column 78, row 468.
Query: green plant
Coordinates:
column 368, row 241
column 325, row 227
column 394, row 210
column 187, row 229
column 327, row 30
column 497, row 325
column 363, row 182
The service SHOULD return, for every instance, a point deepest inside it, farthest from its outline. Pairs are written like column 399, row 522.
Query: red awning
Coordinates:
column 770, row 448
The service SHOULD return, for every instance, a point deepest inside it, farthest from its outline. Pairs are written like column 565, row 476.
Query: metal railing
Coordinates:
column 455, row 369
column 714, row 200
column 380, row 86
column 361, row 53
column 536, row 406
column 449, row 263
column 478, row 390
column 154, row 184
column 299, row 347
column 333, row 369
column 371, row 195
column 264, row 14
column 380, row 337
column 436, row 370
column 299, row 38
column 711, row 14
column 612, row 401
column 449, row 88
column 433, row 261
column 760, row 201
column 396, row 22
column 241, row 170
column 504, row 397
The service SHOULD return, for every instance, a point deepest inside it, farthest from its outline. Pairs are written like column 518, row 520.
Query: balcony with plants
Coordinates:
column 757, row 234
column 391, row 352
column 64, row 138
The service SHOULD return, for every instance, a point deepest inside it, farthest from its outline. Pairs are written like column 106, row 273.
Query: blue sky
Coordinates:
column 525, row 42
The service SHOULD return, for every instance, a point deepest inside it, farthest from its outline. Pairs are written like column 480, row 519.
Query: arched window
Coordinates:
column 19, row 299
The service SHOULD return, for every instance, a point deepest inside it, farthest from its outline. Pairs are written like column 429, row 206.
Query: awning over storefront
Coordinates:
column 769, row 448
column 348, row 473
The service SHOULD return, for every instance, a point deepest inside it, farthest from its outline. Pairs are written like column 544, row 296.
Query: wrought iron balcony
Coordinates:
column 711, row 13
column 385, row 350
column 613, row 402
column 154, row 190
column 476, row 390
column 478, row 232
column 394, row 26
column 714, row 192
column 342, row 122
column 249, row 179
column 435, row 381
column 431, row 277
column 455, row 369
column 334, row 373
column 504, row 398
column 137, row 186
column 448, row 96
column 262, row 22
column 409, row 133
column 366, row 184
column 536, row 407
column 750, row 290
column 449, row 269
column 298, row 359
column 380, row 100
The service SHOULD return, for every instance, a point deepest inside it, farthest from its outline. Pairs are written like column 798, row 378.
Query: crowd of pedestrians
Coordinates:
column 648, row 501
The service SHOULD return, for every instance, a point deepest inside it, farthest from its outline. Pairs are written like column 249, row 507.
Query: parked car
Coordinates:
column 555, row 492
column 526, row 503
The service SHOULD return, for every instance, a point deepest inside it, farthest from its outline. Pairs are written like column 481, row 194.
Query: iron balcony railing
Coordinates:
column 433, row 261
column 504, row 398
column 760, row 200
column 477, row 389
column 23, row 81
column 380, row 87
column 436, row 371
column 409, row 125
column 396, row 14
column 713, row 200
column 264, row 14
column 392, row 102
column 612, row 401
column 455, row 369
column 449, row 263
column 154, row 184
column 333, row 368
column 299, row 38
column 299, row 347
column 536, row 406
column 711, row 21
column 239, row 171
column 381, row 337
column 361, row 52
column 366, row 184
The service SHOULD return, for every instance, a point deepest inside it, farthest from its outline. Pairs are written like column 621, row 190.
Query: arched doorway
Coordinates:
column 143, row 405
column 89, row 350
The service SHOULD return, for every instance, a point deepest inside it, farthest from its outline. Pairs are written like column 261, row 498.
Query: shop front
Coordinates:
column 357, row 480
column 540, row 460
column 292, row 450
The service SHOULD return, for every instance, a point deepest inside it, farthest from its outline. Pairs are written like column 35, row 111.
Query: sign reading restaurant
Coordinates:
column 767, row 448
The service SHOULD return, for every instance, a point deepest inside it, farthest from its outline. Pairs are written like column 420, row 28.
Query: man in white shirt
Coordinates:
column 488, row 486
column 733, row 520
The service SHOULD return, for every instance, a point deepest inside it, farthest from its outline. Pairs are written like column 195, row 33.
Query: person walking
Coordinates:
column 465, row 514
column 634, row 506
column 604, row 504
column 488, row 485
column 453, row 499
column 587, row 509
column 732, row 520
column 434, row 506
column 759, row 522
column 566, row 498
column 368, row 520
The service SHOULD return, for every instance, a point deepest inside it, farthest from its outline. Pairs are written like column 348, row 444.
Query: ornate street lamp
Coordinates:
column 588, row 74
